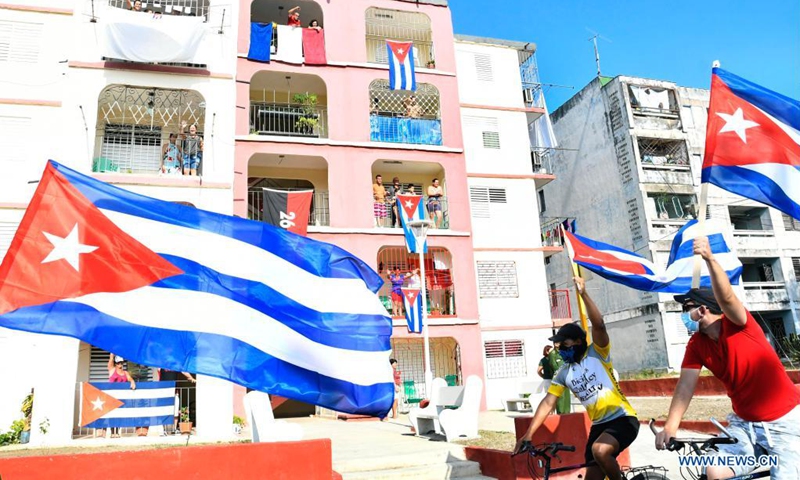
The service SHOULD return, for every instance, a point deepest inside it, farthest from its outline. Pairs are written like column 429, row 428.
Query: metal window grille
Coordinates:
column 130, row 149
column 20, row 42
column 497, row 279
column 197, row 8
column 674, row 207
column 790, row 223
column 491, row 140
column 795, row 265
column 659, row 152
column 319, row 214
column 383, row 24
column 438, row 277
column 483, row 67
column 393, row 103
column 505, row 358
column 445, row 361
column 482, row 198
column 559, row 304
column 14, row 133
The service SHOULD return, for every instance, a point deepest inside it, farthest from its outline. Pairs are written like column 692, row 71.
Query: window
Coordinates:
column 98, row 368
column 185, row 7
column 481, row 200
column 686, row 115
column 483, row 67
column 505, row 359
column 488, row 126
column 790, row 224
column 652, row 100
column 497, row 280
column 542, row 204
column 383, row 24
column 796, row 266
column 659, row 152
column 491, row 139
column 20, row 41
column 14, row 132
column 673, row 207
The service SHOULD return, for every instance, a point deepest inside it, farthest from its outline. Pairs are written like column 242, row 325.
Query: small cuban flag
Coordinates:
column 412, row 300
column 113, row 405
column 401, row 65
column 411, row 208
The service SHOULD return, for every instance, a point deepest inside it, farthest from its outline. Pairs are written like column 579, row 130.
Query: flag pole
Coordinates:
column 701, row 220
column 576, row 271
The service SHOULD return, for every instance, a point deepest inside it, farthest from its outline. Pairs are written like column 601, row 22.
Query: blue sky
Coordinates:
column 674, row 41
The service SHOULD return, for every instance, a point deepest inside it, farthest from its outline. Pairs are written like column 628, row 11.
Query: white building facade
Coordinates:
column 109, row 118
column 629, row 173
column 513, row 298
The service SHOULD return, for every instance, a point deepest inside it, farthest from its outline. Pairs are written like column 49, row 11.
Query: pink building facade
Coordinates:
column 353, row 137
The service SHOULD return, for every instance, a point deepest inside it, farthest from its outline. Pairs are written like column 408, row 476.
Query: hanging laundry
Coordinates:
column 290, row 44
column 260, row 41
column 314, row 46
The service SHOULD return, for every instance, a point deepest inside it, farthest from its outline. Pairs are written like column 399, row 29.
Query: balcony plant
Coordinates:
column 238, row 424
column 431, row 63
column 185, row 424
column 307, row 123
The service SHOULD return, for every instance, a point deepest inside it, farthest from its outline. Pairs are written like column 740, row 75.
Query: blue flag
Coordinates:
column 260, row 42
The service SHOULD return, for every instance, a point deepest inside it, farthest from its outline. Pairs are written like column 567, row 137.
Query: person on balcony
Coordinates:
column 397, row 279
column 314, row 25
column 415, row 281
column 379, row 201
column 136, row 6
column 413, row 110
column 192, row 149
column 435, row 194
column 118, row 374
column 294, row 17
column 171, row 157
column 395, row 190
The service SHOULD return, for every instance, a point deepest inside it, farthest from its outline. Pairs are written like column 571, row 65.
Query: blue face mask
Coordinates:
column 691, row 325
column 572, row 354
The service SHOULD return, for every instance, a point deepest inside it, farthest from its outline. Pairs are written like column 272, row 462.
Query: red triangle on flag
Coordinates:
column 65, row 248
column 411, row 294
column 400, row 49
column 410, row 204
column 95, row 403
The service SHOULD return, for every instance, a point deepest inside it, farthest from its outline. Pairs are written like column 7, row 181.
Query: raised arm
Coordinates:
column 294, row 9
column 680, row 402
column 110, row 362
column 723, row 291
column 599, row 332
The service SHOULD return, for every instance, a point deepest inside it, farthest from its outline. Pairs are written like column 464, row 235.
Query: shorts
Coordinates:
column 781, row 437
column 434, row 206
column 379, row 209
column 191, row 161
column 623, row 429
column 397, row 297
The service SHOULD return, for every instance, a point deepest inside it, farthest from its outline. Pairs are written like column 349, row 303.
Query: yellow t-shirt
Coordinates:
column 592, row 381
column 378, row 193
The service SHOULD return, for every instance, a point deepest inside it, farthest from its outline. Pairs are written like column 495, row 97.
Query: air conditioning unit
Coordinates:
column 527, row 94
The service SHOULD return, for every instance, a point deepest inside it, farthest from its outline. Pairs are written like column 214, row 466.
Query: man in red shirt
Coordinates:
column 730, row 343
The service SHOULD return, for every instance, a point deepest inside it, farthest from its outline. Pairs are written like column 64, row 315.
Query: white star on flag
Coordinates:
column 409, row 204
column 737, row 123
column 400, row 51
column 67, row 248
column 98, row 404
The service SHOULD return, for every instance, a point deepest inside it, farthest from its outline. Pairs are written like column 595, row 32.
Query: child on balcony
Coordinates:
column 171, row 157
column 192, row 149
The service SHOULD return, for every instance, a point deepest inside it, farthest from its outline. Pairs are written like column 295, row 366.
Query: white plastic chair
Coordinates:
column 463, row 421
column 263, row 426
column 426, row 419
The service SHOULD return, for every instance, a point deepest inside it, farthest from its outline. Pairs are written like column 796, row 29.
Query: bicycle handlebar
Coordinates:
column 697, row 444
column 545, row 449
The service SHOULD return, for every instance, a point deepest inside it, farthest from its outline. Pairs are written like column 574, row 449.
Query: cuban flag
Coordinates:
column 753, row 142
column 112, row 405
column 172, row 286
column 401, row 65
column 412, row 300
column 411, row 208
column 635, row 271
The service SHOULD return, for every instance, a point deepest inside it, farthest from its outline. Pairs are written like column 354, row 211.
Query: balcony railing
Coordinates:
column 194, row 8
column 319, row 216
column 559, row 304
column 136, row 150
column 431, row 208
column 438, row 278
column 398, row 129
column 551, row 231
column 542, row 160
column 288, row 120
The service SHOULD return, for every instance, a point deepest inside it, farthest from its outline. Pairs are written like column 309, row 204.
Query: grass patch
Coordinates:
column 490, row 439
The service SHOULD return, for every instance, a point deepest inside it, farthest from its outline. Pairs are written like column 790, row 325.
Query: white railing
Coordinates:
column 542, row 160
column 753, row 233
column 288, row 120
column 194, row 8
column 763, row 285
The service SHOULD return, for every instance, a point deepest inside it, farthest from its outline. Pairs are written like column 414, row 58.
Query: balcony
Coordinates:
column 402, row 26
column 654, row 108
column 398, row 116
column 319, row 214
column 167, row 32
column 412, row 178
column 765, row 295
column 560, row 309
column 288, row 105
column 139, row 130
column 552, row 240
column 664, row 161
column 438, row 279
column 542, row 165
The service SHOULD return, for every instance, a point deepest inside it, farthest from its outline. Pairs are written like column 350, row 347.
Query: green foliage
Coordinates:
column 27, row 410
column 237, row 420
column 12, row 436
column 44, row 426
column 310, row 118
column 184, row 414
column 791, row 347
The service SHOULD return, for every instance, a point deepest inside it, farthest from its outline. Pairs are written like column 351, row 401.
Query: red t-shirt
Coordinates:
column 397, row 377
column 292, row 22
column 757, row 384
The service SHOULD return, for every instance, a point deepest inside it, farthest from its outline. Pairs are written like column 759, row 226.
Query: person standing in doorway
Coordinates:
column 395, row 190
column 379, row 201
column 435, row 193
column 118, row 374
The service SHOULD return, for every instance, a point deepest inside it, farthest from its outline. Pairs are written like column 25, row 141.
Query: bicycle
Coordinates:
column 699, row 446
column 545, row 452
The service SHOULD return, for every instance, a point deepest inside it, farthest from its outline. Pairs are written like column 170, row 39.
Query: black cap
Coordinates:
column 569, row 331
column 700, row 296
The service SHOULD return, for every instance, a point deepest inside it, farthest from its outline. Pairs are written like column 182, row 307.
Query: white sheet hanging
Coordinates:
column 144, row 37
column 290, row 44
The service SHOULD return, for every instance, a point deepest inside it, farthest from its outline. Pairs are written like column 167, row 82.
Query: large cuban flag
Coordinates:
column 411, row 208
column 112, row 405
column 635, row 271
column 402, row 75
column 412, row 300
column 171, row 286
column 753, row 142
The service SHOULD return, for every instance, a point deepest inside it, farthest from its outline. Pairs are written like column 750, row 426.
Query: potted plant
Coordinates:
column 309, row 121
column 185, row 424
column 431, row 63
column 238, row 424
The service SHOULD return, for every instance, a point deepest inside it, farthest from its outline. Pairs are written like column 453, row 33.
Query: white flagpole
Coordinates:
column 426, row 340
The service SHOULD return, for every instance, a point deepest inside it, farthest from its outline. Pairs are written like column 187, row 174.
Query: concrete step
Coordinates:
column 397, row 460
column 459, row 469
